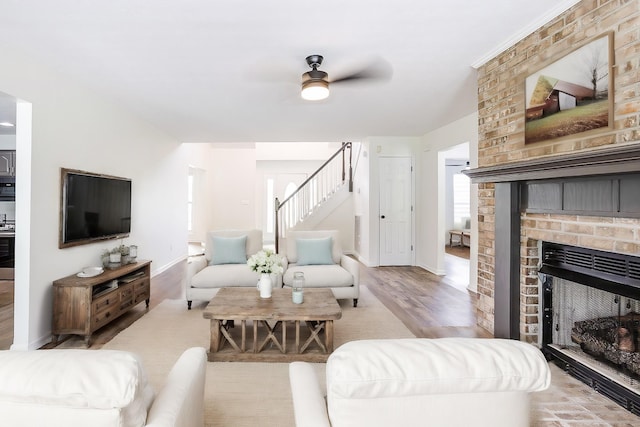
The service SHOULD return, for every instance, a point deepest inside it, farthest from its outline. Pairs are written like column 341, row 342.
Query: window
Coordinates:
column 195, row 189
column 270, row 205
column 461, row 200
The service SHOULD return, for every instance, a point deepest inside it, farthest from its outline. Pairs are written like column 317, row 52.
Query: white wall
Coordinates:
column 341, row 219
column 361, row 200
column 233, row 190
column 431, row 211
column 237, row 172
column 296, row 150
column 74, row 127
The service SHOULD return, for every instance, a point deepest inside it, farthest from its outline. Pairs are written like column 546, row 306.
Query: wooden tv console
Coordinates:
column 82, row 305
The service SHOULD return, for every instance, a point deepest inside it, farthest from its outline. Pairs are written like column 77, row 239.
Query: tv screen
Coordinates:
column 94, row 207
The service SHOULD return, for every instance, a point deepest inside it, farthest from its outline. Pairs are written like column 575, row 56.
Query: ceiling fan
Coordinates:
column 315, row 83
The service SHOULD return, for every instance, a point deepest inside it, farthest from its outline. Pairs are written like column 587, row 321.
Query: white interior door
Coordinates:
column 395, row 211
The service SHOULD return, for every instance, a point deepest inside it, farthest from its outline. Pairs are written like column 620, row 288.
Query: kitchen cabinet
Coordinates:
column 7, row 163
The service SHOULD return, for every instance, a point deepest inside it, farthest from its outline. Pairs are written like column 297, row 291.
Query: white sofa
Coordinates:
column 98, row 388
column 421, row 382
column 336, row 271
column 205, row 275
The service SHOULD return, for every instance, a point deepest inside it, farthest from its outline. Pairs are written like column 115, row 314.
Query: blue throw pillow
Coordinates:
column 314, row 251
column 229, row 250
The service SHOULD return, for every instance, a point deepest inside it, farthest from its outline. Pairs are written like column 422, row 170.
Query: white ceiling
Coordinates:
column 229, row 71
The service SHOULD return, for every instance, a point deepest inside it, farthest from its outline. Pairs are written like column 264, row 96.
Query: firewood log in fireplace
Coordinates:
column 625, row 340
column 610, row 338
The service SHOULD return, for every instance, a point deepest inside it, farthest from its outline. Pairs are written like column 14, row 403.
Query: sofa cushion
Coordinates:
column 224, row 275
column 290, row 243
column 314, row 251
column 371, row 369
column 104, row 379
column 254, row 240
column 228, row 250
column 319, row 276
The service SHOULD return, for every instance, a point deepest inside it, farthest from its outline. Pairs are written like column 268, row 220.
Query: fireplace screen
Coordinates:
column 599, row 328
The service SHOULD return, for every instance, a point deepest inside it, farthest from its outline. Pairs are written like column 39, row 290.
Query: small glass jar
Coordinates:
column 297, row 288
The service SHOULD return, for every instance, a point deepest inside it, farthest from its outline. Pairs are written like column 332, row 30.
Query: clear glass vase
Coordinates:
column 297, row 288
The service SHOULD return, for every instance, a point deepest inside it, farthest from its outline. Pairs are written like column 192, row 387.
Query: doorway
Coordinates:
column 457, row 217
column 8, row 120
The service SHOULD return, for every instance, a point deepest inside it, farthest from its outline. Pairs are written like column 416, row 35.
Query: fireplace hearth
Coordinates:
column 591, row 318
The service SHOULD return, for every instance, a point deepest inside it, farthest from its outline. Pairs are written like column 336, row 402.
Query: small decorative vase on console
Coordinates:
column 264, row 285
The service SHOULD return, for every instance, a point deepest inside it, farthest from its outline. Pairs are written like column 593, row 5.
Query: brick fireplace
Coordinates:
column 514, row 215
column 503, row 156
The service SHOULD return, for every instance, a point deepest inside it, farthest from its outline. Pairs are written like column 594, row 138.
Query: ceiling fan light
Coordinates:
column 315, row 85
column 315, row 91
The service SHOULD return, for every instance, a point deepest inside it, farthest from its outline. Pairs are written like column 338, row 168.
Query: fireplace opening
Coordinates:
column 591, row 318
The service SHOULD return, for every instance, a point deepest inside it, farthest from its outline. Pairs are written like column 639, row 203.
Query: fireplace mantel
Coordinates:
column 607, row 161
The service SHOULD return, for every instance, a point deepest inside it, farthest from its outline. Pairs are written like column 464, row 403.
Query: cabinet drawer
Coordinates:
column 142, row 295
column 126, row 304
column 142, row 291
column 104, row 302
column 105, row 316
column 126, row 292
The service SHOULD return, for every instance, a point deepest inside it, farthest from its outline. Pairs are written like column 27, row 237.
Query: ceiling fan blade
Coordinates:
column 378, row 69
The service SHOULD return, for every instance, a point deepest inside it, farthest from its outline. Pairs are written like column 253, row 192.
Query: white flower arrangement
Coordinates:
column 265, row 261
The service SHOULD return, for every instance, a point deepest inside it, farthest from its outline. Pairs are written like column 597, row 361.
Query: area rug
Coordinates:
column 242, row 394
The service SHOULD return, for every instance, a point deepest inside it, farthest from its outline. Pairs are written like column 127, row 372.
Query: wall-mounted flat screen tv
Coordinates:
column 93, row 207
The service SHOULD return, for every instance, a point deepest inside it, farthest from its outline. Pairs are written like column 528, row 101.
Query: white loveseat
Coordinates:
column 222, row 264
column 421, row 382
column 98, row 388
column 323, row 264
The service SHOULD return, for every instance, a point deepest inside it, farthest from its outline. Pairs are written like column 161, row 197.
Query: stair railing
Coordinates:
column 329, row 178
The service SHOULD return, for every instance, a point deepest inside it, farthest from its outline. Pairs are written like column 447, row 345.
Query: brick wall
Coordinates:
column 501, row 111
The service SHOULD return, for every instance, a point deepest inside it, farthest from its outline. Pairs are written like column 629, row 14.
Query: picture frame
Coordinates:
column 572, row 95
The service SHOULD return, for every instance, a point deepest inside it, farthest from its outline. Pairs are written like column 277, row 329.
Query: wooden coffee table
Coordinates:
column 279, row 330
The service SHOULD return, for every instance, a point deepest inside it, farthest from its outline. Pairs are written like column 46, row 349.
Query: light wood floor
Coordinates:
column 6, row 314
column 429, row 305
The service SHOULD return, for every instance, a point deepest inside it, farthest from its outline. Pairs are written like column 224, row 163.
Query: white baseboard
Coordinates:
column 434, row 271
column 167, row 266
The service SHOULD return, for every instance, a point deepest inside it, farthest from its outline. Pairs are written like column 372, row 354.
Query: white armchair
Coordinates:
column 318, row 254
column 61, row 388
column 421, row 382
column 224, row 264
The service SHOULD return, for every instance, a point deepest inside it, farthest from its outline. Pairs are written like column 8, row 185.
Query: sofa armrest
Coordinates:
column 309, row 405
column 279, row 278
column 181, row 400
column 353, row 267
column 194, row 265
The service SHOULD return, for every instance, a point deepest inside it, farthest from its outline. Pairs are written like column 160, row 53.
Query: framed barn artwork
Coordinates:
column 572, row 95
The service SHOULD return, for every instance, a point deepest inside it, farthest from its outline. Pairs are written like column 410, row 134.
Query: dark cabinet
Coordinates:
column 7, row 163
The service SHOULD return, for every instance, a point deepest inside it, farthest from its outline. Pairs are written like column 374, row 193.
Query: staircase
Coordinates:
column 327, row 187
